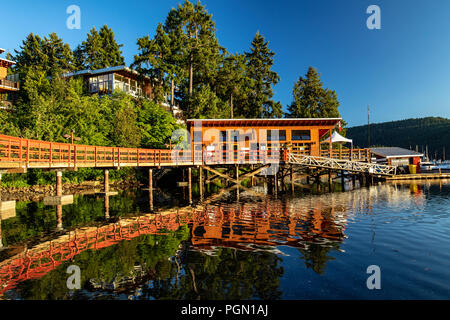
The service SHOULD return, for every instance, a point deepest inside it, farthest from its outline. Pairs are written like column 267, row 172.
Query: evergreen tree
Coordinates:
column 311, row 99
column 233, row 82
column 100, row 50
column 201, row 53
column 156, row 59
column 59, row 55
column 259, row 65
column 51, row 55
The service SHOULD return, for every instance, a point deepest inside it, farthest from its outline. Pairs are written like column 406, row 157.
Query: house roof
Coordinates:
column 264, row 122
column 102, row 71
column 5, row 62
column 395, row 152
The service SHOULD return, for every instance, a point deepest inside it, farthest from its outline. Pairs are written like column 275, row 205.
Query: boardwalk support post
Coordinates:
column 238, row 184
column 200, row 182
column 190, row 184
column 150, row 187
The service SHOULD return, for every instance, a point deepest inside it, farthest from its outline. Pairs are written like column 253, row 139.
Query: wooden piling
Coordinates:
column 59, row 190
column 237, row 178
column 190, row 184
column 275, row 184
column 150, row 188
column 200, row 182
column 106, row 181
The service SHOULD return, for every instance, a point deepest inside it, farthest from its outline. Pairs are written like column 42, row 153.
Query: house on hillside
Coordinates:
column 9, row 84
column 121, row 78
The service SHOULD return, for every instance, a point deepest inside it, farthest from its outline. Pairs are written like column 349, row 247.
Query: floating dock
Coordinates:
column 420, row 176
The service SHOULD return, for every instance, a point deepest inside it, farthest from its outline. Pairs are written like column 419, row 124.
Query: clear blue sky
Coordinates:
column 401, row 71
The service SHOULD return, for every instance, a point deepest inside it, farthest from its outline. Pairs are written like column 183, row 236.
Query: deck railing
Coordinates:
column 362, row 155
column 9, row 84
column 27, row 153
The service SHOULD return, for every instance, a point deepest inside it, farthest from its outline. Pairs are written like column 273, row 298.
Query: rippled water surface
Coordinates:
column 302, row 247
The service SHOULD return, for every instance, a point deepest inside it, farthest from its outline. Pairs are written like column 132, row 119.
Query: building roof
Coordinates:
column 102, row 71
column 395, row 152
column 5, row 62
column 265, row 122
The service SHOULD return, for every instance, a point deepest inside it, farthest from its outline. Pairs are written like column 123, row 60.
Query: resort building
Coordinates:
column 9, row 84
column 225, row 136
column 121, row 78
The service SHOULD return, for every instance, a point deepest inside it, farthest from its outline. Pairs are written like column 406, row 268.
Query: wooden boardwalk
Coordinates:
column 19, row 154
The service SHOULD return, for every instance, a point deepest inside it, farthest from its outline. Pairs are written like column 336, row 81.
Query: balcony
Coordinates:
column 8, row 85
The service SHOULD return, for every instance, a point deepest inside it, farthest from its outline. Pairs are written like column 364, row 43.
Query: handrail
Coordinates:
column 9, row 83
column 28, row 153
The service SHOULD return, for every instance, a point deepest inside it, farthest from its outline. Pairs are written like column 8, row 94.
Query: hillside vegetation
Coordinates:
column 409, row 133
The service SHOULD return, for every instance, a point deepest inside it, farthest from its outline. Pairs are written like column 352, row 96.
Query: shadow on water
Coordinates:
column 221, row 250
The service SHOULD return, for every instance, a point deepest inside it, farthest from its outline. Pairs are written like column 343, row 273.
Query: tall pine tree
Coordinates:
column 259, row 65
column 100, row 50
column 311, row 99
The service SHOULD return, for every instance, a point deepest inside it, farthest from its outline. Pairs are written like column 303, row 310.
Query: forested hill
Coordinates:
column 431, row 131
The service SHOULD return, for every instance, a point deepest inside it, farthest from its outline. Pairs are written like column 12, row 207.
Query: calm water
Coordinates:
column 302, row 247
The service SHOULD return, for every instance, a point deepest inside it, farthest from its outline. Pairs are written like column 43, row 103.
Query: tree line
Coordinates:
column 186, row 65
column 422, row 134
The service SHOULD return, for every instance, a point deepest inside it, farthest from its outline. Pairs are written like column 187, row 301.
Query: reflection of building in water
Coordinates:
column 293, row 223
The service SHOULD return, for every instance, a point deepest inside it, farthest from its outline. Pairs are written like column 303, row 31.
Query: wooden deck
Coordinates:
column 420, row 176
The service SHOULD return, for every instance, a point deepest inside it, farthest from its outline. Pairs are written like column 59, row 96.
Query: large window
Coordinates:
column 276, row 135
column 301, row 135
column 101, row 84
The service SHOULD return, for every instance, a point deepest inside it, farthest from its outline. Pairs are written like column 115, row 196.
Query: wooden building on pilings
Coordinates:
column 243, row 140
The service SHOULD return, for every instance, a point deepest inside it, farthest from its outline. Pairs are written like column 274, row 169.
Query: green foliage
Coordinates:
column 156, row 124
column 206, row 105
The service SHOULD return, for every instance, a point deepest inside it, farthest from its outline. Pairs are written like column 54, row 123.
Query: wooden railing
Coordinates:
column 362, row 155
column 27, row 153
column 9, row 84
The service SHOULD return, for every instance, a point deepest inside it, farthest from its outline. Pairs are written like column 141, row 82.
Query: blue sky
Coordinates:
column 401, row 71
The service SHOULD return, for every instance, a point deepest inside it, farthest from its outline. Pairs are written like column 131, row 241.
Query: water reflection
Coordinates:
column 216, row 251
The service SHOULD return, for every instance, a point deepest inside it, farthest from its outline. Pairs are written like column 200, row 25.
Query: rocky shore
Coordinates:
column 38, row 192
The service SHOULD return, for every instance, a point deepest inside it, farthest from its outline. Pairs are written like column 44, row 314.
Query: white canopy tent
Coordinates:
column 337, row 138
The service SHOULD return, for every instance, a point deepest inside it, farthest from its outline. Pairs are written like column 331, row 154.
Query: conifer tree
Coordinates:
column 259, row 64
column 311, row 99
column 233, row 82
column 99, row 50
column 201, row 53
